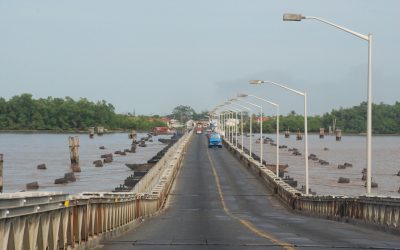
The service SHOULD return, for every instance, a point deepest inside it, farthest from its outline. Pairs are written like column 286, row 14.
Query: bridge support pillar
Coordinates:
column 74, row 153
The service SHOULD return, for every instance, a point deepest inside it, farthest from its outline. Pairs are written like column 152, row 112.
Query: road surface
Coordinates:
column 217, row 204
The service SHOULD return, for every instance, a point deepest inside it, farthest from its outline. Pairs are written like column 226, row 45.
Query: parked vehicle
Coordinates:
column 214, row 140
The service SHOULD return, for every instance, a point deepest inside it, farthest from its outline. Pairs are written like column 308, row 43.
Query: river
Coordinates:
column 351, row 149
column 24, row 151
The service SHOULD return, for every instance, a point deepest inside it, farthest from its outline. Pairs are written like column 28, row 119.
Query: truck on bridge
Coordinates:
column 199, row 128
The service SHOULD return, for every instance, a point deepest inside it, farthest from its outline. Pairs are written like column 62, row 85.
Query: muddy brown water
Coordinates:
column 24, row 151
column 351, row 149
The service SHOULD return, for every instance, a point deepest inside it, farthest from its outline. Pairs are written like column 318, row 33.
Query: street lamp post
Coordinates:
column 261, row 127
column 277, row 126
column 368, row 38
column 304, row 94
column 230, row 114
column 219, row 115
column 236, row 109
column 226, row 134
column 231, row 131
column 224, row 121
column 235, row 128
column 241, row 120
column 234, row 131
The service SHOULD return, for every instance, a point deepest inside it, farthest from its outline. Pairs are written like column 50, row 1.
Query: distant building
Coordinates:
column 264, row 119
column 161, row 131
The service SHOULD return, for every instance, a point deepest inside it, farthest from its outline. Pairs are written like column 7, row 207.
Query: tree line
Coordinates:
column 22, row 112
column 385, row 120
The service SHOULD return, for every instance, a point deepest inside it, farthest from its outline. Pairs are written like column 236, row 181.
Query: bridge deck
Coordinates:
column 218, row 204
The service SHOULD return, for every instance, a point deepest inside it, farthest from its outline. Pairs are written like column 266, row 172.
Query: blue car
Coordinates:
column 214, row 140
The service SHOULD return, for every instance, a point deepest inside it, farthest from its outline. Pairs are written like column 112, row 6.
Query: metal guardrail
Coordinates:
column 380, row 211
column 12, row 205
column 51, row 220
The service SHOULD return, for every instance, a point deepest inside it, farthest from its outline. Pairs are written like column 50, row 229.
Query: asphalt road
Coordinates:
column 217, row 204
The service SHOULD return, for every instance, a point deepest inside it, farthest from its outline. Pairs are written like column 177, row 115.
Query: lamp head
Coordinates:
column 292, row 17
column 256, row 82
column 242, row 95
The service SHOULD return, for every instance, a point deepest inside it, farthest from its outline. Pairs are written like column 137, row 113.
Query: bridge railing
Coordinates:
column 51, row 220
column 379, row 211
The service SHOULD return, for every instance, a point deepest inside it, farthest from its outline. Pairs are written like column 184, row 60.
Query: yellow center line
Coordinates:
column 244, row 222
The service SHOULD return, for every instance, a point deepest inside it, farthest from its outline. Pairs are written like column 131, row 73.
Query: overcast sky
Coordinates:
column 150, row 56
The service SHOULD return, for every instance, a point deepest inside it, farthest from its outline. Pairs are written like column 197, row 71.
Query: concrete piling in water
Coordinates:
column 1, row 173
column 373, row 184
column 132, row 134
column 100, row 130
column 343, row 180
column 287, row 133
column 98, row 163
column 41, row 166
column 91, row 132
column 133, row 146
column 299, row 136
column 321, row 133
column 32, row 185
column 74, row 153
column 338, row 134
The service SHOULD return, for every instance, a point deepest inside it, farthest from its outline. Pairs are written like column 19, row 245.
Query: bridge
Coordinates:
column 200, row 198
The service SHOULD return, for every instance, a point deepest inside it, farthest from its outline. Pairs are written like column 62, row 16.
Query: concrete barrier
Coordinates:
column 377, row 211
column 53, row 220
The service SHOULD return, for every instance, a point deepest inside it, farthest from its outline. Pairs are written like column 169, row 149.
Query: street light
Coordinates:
column 241, row 119
column 251, row 134
column 368, row 38
column 231, row 130
column 261, row 126
column 236, row 119
column 226, row 127
column 234, row 130
column 223, row 121
column 304, row 94
column 218, row 114
column 277, row 126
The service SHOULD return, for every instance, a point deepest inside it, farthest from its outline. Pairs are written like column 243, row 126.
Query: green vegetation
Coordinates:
column 385, row 120
column 62, row 114
column 182, row 113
